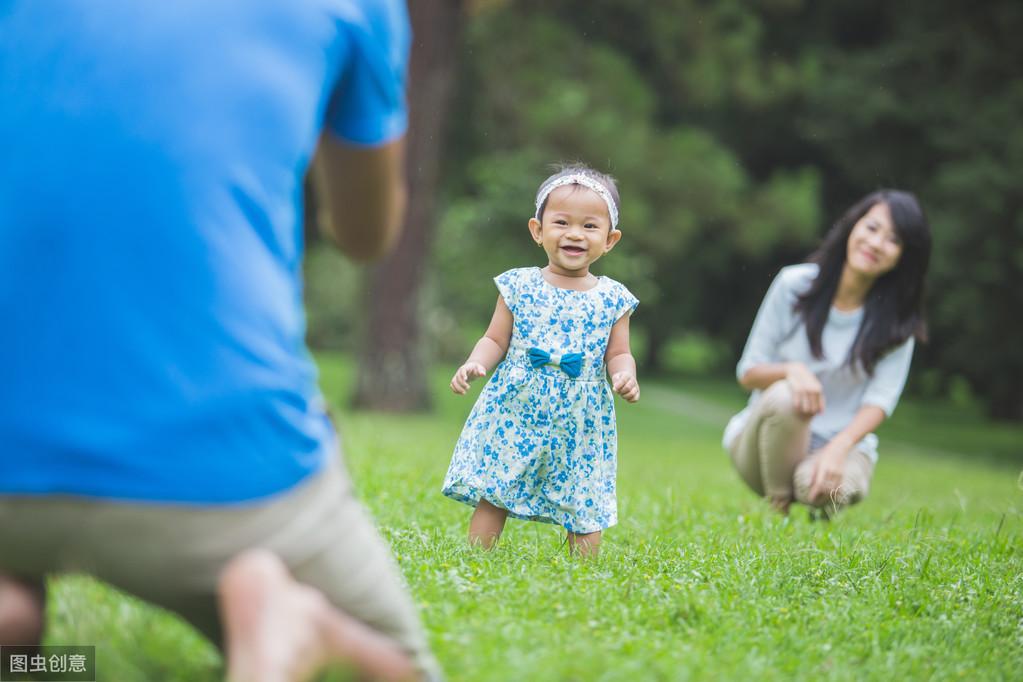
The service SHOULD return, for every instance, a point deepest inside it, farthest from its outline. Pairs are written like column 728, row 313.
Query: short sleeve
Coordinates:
column 509, row 285
column 626, row 303
column 770, row 327
column 885, row 386
column 368, row 105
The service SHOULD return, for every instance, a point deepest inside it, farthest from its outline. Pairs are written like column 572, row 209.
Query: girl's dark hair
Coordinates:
column 894, row 309
column 579, row 169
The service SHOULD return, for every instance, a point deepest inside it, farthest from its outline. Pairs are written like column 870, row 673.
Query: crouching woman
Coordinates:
column 828, row 356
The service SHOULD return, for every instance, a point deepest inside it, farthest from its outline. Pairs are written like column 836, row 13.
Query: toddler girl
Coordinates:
column 540, row 442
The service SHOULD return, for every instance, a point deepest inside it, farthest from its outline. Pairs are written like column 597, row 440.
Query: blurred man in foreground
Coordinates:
column 160, row 421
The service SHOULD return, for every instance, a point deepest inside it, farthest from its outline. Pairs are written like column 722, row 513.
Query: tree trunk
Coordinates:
column 391, row 375
column 656, row 340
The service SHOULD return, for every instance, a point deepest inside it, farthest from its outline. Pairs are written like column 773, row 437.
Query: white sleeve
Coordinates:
column 885, row 387
column 770, row 327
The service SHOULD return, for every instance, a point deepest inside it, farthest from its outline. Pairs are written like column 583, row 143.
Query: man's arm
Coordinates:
column 364, row 192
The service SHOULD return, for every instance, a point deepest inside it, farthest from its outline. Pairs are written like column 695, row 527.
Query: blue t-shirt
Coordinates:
column 152, row 337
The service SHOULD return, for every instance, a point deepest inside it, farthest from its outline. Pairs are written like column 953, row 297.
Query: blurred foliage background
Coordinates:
column 738, row 131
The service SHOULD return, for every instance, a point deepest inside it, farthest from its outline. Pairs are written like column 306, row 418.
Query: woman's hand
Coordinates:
column 466, row 373
column 807, row 393
column 624, row 384
column 828, row 471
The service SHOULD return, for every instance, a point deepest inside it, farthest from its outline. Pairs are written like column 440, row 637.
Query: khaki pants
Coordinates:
column 172, row 555
column 772, row 455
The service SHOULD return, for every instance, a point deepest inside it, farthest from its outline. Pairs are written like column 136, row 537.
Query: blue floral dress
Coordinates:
column 538, row 442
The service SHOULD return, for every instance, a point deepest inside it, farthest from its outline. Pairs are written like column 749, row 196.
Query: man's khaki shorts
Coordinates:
column 172, row 555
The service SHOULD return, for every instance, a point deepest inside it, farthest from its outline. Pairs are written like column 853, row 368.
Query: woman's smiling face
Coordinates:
column 874, row 246
column 576, row 230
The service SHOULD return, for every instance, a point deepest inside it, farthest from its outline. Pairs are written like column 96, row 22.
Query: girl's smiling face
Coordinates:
column 576, row 230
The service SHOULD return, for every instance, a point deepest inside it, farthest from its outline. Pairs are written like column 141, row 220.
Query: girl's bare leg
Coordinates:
column 486, row 524
column 584, row 544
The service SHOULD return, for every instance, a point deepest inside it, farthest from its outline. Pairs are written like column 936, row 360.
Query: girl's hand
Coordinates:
column 625, row 385
column 807, row 393
column 827, row 473
column 465, row 374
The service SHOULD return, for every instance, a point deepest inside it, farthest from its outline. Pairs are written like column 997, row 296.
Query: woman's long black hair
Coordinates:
column 894, row 309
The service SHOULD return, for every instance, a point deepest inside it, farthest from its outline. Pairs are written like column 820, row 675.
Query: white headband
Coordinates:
column 585, row 181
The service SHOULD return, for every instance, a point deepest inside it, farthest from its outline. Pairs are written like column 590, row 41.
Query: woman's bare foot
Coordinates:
column 781, row 505
column 279, row 630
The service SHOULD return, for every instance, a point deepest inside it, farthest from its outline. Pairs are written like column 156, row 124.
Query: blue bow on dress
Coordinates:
column 570, row 363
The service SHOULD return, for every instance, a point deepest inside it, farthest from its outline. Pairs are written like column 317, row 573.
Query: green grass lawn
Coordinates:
column 700, row 580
